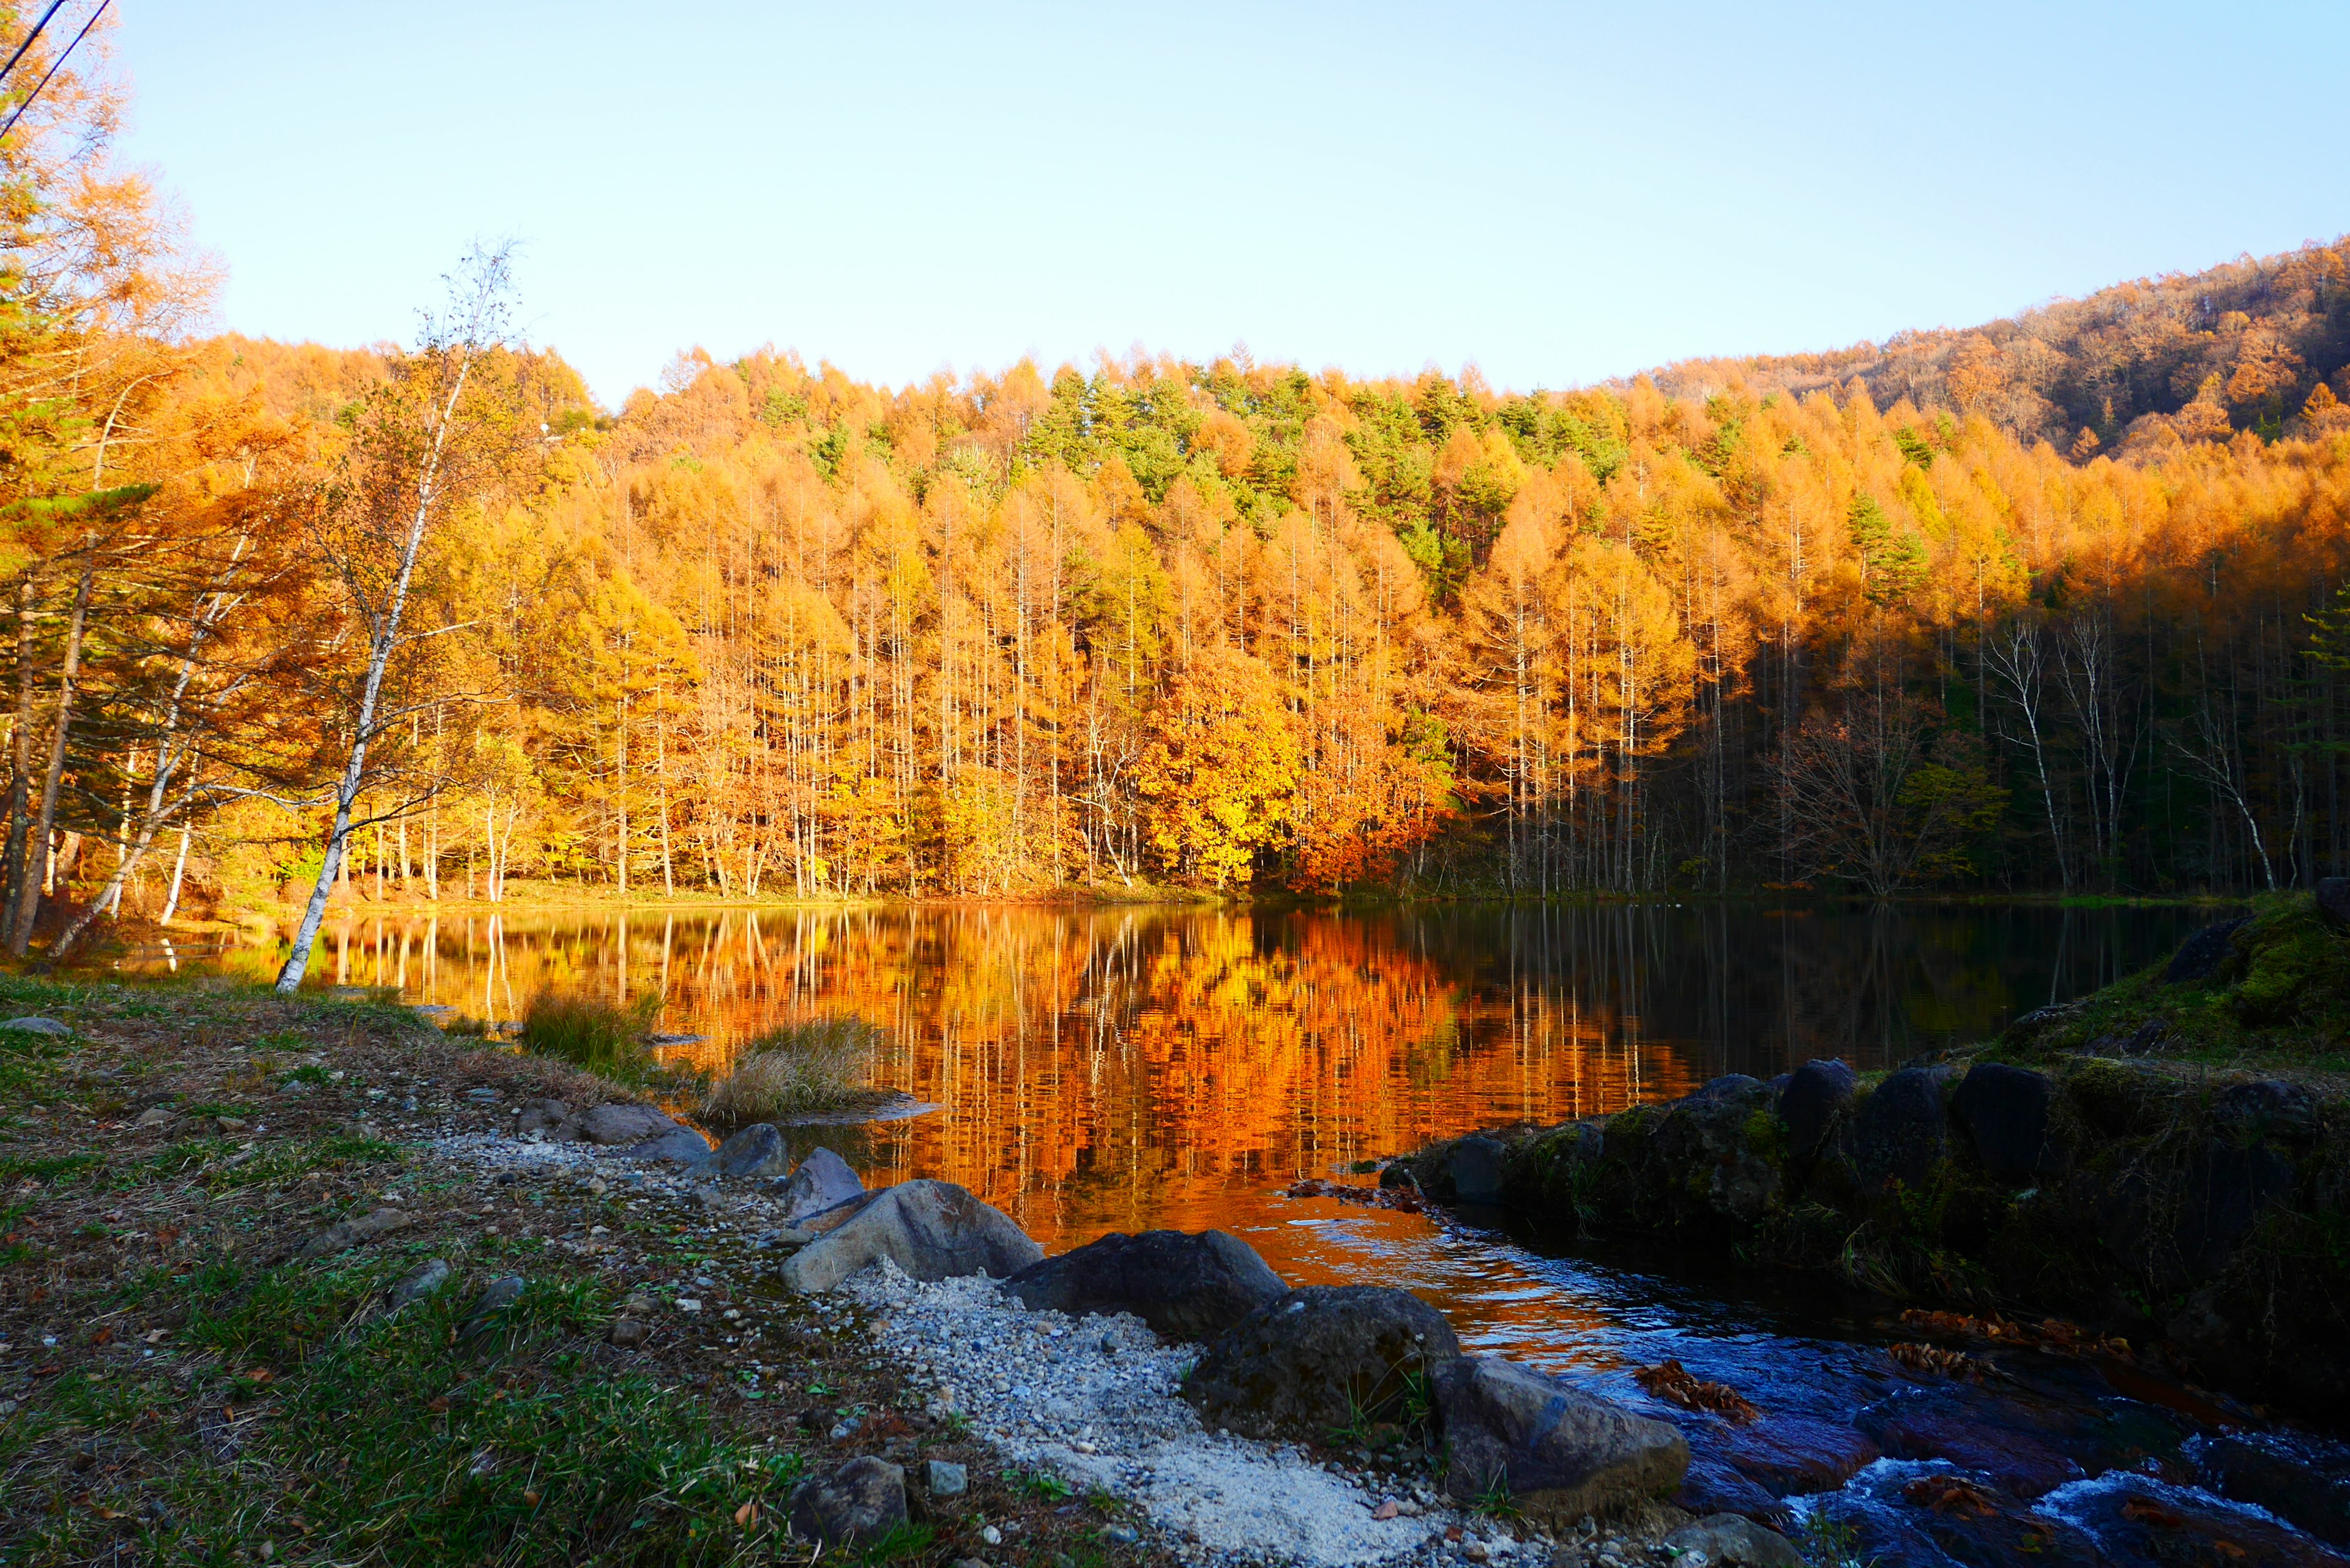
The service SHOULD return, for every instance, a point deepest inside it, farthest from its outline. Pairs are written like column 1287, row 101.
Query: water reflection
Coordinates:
column 1120, row 1068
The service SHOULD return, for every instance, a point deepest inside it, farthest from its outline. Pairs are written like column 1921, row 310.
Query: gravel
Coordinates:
column 1093, row 1401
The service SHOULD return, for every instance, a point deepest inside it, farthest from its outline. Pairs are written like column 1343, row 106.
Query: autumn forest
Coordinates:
column 2048, row 605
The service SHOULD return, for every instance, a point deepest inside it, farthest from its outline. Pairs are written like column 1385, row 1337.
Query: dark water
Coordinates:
column 1119, row 1069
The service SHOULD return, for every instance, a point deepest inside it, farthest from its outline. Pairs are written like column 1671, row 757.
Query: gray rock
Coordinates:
column 622, row 1124
column 860, row 1502
column 755, row 1151
column 37, row 1026
column 1817, row 1094
column 1319, row 1359
column 1730, row 1541
column 678, row 1146
column 944, row 1477
column 490, row 1308
column 2005, row 1110
column 1705, row 1149
column 2269, row 1108
column 1728, row 1085
column 823, row 1182
column 1184, row 1287
column 153, row 1117
column 1903, row 1129
column 553, row 1118
column 1560, row 1452
column 2199, row 958
column 931, row 1229
column 1472, row 1168
column 345, row 1234
column 424, row 1280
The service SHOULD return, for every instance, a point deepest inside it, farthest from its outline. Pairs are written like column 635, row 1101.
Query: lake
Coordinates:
column 1124, row 1067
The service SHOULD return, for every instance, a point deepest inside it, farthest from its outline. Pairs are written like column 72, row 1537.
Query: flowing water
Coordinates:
column 1120, row 1069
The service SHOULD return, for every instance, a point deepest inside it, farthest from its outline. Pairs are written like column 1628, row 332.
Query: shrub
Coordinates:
column 604, row 1039
column 801, row 1069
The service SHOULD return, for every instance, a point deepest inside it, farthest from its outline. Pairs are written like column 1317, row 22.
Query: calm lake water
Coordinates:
column 1101, row 1069
column 1121, row 1069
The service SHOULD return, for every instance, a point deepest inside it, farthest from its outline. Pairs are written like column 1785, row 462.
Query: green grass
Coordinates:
column 385, row 1441
column 605, row 1040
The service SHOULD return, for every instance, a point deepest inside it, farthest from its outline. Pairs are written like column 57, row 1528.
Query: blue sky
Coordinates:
column 1557, row 194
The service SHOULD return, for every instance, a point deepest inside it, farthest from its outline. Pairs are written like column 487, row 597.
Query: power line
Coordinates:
column 55, row 7
column 60, row 60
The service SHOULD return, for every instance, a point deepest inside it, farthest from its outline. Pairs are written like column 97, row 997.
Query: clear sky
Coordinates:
column 1558, row 193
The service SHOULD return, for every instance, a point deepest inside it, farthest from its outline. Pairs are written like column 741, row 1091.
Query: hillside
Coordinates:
column 2139, row 367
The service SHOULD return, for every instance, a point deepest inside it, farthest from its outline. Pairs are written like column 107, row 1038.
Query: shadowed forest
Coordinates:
column 2044, row 605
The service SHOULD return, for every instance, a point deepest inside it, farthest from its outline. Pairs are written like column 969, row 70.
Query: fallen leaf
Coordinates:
column 103, row 1337
column 531, row 1498
column 746, row 1514
column 439, row 1406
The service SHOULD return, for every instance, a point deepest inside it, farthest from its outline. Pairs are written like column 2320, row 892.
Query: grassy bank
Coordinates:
column 188, row 1374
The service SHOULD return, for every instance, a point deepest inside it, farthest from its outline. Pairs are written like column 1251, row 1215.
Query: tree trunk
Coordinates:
column 28, row 895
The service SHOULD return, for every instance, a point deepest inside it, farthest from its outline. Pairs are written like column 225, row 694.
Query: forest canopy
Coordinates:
column 2049, row 605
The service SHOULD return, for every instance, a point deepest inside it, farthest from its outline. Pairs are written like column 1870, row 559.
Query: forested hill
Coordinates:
column 2131, row 368
column 1221, row 625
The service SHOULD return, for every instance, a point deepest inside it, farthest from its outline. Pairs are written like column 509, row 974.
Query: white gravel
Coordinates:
column 1093, row 1400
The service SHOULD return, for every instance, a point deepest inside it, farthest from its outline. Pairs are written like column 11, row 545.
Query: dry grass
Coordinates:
column 801, row 1069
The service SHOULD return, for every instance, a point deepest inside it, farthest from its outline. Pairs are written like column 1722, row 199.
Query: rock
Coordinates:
column 553, row 1118
column 2334, row 901
column 2005, row 1110
column 1902, row 1131
column 1319, row 1359
column 943, row 1478
column 37, row 1026
column 1730, row 1541
column 1472, row 1169
column 345, row 1234
column 489, row 1310
column 1184, row 1287
column 1705, row 1156
column 153, row 1117
column 860, row 1502
column 2262, row 1469
column 1560, row 1452
column 2199, row 958
column 678, row 1146
column 424, row 1280
column 931, row 1229
column 755, row 1151
column 630, row 1331
column 823, row 1182
column 1817, row 1094
column 622, row 1124
column 2230, row 1187
column 2270, row 1108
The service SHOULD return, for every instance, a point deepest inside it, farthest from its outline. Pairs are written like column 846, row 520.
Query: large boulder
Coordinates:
column 1472, row 1168
column 2268, row 1109
column 676, row 1146
column 1184, row 1287
column 2005, row 1110
column 617, row 1125
column 1319, row 1359
column 854, row 1503
column 931, row 1229
column 1708, row 1155
column 1903, row 1129
column 2199, row 958
column 1726, row 1540
column 1561, row 1453
column 1816, row 1097
column 758, row 1150
column 823, row 1182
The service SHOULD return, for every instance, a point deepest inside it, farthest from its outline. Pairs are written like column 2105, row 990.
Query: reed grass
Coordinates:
column 603, row 1038
column 801, row 1069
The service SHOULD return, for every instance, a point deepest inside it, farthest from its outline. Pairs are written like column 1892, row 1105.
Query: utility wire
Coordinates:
column 60, row 60
column 55, row 7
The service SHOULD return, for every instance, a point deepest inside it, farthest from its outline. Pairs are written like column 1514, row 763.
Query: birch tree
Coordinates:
column 419, row 446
